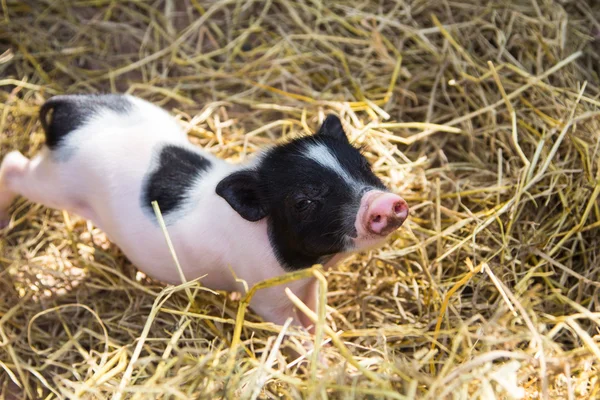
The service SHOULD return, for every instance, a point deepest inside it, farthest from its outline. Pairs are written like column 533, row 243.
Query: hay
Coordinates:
column 487, row 120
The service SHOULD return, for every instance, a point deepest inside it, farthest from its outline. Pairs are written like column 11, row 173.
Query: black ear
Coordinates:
column 240, row 190
column 332, row 126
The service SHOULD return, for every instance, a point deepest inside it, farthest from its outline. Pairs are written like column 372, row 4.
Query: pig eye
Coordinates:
column 304, row 206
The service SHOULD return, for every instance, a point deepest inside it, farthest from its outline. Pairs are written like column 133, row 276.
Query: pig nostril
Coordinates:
column 398, row 207
column 376, row 218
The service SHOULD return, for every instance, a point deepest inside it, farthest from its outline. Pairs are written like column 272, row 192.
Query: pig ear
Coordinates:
column 332, row 126
column 240, row 190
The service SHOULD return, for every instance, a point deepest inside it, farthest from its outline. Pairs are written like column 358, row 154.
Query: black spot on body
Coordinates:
column 170, row 182
column 70, row 112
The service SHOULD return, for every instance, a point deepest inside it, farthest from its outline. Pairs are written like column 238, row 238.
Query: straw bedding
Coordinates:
column 485, row 117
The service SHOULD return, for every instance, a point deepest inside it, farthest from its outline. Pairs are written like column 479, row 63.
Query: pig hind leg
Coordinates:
column 38, row 180
column 13, row 164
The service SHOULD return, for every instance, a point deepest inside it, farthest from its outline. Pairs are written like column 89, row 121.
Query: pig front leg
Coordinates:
column 276, row 307
column 273, row 304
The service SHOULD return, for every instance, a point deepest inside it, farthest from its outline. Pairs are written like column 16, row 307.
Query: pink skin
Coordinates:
column 380, row 213
column 385, row 212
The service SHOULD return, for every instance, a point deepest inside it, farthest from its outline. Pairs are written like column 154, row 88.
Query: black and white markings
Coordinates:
column 311, row 191
column 175, row 174
column 61, row 115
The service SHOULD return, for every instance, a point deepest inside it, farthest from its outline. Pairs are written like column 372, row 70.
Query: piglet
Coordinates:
column 309, row 201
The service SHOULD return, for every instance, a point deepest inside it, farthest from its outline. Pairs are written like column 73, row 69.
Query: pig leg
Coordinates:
column 13, row 164
column 38, row 180
column 274, row 305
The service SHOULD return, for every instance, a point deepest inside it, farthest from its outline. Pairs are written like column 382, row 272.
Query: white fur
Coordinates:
column 99, row 176
column 321, row 154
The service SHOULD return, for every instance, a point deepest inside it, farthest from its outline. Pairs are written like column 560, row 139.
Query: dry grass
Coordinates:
column 486, row 119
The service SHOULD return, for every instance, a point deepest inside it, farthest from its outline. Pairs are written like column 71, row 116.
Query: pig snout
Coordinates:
column 381, row 213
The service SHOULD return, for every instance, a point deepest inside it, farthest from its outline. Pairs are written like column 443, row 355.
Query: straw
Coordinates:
column 485, row 118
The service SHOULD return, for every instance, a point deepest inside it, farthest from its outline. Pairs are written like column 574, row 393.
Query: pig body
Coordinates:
column 108, row 157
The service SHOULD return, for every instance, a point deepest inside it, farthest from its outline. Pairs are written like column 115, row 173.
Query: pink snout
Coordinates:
column 385, row 213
